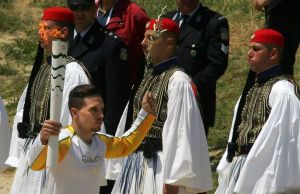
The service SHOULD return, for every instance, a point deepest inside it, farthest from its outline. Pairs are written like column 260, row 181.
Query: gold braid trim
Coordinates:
column 255, row 112
column 158, row 85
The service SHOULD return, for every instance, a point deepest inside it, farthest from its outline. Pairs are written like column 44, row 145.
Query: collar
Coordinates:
column 72, row 133
column 82, row 34
column 268, row 73
column 108, row 13
column 191, row 14
column 165, row 65
column 71, row 130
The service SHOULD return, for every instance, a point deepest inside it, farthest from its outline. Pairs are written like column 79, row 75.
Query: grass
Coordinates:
column 21, row 50
column 45, row 4
column 243, row 20
column 11, row 88
column 9, row 23
column 7, row 70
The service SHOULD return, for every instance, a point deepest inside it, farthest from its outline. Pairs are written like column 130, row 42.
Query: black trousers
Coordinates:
column 107, row 189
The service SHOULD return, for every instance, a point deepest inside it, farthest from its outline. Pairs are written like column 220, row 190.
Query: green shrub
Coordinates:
column 7, row 70
column 22, row 50
column 9, row 22
column 48, row 3
column 154, row 7
column 5, row 3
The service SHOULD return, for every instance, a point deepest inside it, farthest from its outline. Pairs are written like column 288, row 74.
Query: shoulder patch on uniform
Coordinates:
column 224, row 34
column 221, row 18
column 224, row 48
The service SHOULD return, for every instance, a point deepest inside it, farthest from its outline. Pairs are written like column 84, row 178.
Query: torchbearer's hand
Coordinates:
column 49, row 128
column 149, row 103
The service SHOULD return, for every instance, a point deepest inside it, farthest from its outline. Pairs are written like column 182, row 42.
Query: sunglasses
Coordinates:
column 78, row 6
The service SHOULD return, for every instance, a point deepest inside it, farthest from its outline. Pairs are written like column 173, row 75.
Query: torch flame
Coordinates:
column 56, row 33
column 46, row 32
column 42, row 31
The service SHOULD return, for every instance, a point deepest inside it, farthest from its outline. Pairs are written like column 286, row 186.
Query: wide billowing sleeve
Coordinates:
column 5, row 136
column 185, row 151
column 16, row 143
column 275, row 153
column 74, row 76
column 129, row 142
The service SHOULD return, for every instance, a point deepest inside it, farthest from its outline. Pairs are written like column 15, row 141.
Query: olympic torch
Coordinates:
column 59, row 53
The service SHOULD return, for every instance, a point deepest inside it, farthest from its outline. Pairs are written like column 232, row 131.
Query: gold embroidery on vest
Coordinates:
column 255, row 112
column 158, row 85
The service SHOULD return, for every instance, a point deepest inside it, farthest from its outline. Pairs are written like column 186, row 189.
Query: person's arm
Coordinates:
column 37, row 154
column 276, row 147
column 126, row 144
column 186, row 162
column 260, row 4
column 16, row 143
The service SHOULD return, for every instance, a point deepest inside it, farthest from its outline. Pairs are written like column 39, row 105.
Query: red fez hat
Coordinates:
column 268, row 36
column 60, row 14
column 165, row 24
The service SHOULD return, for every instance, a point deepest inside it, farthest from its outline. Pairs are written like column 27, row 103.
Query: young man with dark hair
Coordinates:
column 82, row 150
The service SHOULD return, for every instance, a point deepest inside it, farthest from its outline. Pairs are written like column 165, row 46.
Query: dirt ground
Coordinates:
column 6, row 179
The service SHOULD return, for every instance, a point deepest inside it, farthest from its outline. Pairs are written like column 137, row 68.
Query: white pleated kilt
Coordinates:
column 229, row 175
column 140, row 175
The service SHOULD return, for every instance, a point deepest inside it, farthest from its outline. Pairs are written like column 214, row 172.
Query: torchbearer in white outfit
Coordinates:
column 81, row 167
column 173, row 158
column 263, row 151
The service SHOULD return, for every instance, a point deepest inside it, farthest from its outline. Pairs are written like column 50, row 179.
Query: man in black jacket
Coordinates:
column 202, row 50
column 105, row 57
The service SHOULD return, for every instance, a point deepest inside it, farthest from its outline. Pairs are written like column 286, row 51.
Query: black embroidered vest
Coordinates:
column 158, row 86
column 255, row 114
